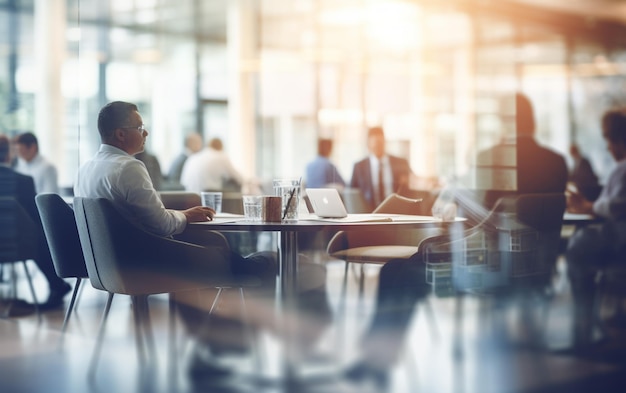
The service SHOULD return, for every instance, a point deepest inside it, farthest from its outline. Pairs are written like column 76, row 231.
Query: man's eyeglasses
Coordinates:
column 141, row 128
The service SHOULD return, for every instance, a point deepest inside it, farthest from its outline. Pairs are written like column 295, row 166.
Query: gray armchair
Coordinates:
column 61, row 233
column 123, row 258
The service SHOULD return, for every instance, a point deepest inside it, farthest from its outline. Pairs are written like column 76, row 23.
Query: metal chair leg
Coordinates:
column 432, row 320
column 251, row 337
column 217, row 296
column 147, row 331
column 144, row 341
column 32, row 291
column 172, row 344
column 98, row 348
column 70, row 308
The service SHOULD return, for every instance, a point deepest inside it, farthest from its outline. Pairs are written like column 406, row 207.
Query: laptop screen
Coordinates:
column 326, row 202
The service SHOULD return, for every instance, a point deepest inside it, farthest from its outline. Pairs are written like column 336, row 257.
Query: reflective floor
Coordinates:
column 490, row 354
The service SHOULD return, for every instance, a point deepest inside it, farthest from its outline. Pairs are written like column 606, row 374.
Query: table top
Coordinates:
column 578, row 218
column 232, row 222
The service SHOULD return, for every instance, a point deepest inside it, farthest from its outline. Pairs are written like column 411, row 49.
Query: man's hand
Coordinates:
column 199, row 214
column 576, row 203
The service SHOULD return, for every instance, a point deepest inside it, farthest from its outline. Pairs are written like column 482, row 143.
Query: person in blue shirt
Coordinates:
column 321, row 172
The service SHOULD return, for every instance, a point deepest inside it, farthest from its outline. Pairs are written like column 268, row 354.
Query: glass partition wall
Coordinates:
column 271, row 76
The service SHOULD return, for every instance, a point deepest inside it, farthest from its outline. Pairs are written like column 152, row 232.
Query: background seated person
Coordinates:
column 596, row 246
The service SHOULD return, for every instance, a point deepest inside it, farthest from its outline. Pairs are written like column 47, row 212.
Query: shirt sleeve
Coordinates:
column 612, row 201
column 143, row 200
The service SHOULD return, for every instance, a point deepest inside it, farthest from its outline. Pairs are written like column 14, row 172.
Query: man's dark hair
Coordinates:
column 324, row 147
column 375, row 131
column 614, row 126
column 27, row 139
column 112, row 116
column 5, row 148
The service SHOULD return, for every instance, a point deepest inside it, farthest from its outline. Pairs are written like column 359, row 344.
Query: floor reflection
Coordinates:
column 490, row 354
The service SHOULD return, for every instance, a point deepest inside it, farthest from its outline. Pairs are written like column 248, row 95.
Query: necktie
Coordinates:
column 381, row 182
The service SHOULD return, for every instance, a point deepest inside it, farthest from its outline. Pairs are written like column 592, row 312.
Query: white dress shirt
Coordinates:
column 612, row 200
column 207, row 170
column 42, row 171
column 387, row 174
column 115, row 175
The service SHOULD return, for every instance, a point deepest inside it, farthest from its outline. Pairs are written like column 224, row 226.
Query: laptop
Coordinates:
column 326, row 202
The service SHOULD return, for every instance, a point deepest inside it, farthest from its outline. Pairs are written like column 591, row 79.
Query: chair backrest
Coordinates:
column 427, row 197
column 59, row 225
column 18, row 232
column 397, row 204
column 122, row 257
column 393, row 204
column 516, row 243
column 179, row 200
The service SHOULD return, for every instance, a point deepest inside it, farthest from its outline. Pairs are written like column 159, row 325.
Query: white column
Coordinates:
column 242, row 51
column 50, row 52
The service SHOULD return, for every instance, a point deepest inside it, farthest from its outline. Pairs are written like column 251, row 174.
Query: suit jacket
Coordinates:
column 22, row 188
column 362, row 177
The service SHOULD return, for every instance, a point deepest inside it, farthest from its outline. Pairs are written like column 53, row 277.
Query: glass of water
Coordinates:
column 252, row 206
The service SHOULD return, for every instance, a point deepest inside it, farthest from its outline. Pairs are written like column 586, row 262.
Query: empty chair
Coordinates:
column 376, row 247
column 61, row 233
column 18, row 238
column 511, row 253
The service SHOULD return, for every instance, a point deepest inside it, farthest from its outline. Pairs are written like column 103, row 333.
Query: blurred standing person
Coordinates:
column 154, row 168
column 321, row 172
column 31, row 163
column 583, row 176
column 519, row 165
column 209, row 169
column 193, row 144
column 380, row 174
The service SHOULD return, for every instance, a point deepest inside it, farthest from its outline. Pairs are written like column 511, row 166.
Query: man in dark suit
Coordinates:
column 517, row 165
column 379, row 168
column 22, row 188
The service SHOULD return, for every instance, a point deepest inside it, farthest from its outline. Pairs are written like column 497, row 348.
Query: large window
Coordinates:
column 439, row 76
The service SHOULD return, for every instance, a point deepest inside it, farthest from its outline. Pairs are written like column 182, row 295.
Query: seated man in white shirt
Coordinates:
column 33, row 164
column 209, row 169
column 113, row 173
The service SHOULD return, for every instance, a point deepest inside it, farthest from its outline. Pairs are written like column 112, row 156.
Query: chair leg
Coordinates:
column 13, row 275
column 172, row 344
column 147, row 330
column 70, row 308
column 432, row 320
column 32, row 291
column 458, row 327
column 98, row 348
column 341, row 310
column 138, row 337
column 139, row 319
column 217, row 296
column 251, row 337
